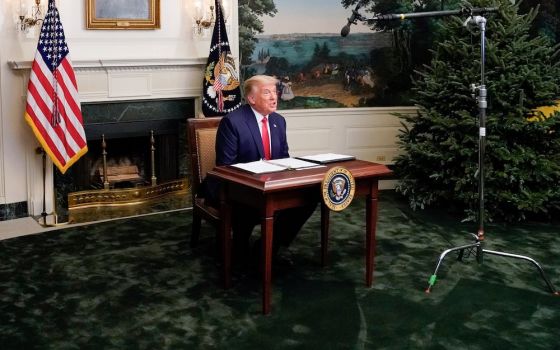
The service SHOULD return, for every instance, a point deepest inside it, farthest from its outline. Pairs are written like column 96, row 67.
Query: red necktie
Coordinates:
column 265, row 139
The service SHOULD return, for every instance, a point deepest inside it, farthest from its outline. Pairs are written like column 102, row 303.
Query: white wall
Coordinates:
column 16, row 141
column 2, row 185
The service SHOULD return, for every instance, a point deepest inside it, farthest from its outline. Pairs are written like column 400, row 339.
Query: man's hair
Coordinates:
column 255, row 80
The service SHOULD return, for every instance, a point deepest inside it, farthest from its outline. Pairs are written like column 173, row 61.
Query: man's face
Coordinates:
column 263, row 98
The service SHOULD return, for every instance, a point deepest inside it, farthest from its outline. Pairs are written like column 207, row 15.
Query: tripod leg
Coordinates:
column 433, row 277
column 461, row 255
column 532, row 261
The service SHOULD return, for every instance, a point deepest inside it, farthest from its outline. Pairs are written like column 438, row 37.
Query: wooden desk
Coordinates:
column 276, row 191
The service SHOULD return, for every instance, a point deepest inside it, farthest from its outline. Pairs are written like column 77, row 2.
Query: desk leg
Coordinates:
column 267, row 226
column 325, row 216
column 225, row 233
column 371, row 226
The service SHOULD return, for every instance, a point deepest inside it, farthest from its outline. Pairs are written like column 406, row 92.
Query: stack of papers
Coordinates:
column 325, row 158
column 292, row 163
column 270, row 166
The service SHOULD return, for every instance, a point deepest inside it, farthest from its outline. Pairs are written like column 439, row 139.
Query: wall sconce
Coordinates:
column 203, row 13
column 203, row 17
column 36, row 18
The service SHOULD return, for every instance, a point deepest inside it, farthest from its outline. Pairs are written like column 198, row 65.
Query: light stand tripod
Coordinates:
column 478, row 244
column 480, row 21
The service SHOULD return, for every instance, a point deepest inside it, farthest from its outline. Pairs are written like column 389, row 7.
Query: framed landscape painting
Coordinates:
column 122, row 14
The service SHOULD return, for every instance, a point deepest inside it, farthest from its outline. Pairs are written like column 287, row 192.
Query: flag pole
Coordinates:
column 41, row 150
column 44, row 214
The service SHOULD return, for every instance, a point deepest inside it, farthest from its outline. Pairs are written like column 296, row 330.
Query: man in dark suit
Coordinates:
column 240, row 134
column 253, row 132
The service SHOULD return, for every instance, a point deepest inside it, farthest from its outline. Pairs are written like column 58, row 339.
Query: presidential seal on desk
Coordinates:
column 338, row 188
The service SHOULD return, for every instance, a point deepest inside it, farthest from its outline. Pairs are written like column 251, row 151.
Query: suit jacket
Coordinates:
column 239, row 140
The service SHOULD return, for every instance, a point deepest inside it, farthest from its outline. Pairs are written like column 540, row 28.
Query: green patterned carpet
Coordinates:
column 136, row 284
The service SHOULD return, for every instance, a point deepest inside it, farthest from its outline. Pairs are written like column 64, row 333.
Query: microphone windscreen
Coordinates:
column 345, row 30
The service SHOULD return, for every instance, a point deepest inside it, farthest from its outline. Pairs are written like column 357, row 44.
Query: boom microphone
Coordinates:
column 352, row 20
column 403, row 16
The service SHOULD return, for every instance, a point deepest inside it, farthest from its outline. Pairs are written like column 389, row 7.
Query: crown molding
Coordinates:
column 120, row 64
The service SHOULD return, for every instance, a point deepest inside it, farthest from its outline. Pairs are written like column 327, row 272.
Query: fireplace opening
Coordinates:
column 128, row 162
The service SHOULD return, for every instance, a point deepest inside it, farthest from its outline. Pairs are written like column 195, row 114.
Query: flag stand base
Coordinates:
column 50, row 220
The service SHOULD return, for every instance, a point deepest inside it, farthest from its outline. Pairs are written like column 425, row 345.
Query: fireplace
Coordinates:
column 137, row 145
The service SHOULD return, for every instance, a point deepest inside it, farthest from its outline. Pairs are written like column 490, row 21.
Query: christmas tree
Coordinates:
column 440, row 143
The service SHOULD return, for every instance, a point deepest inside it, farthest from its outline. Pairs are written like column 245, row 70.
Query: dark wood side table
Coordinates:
column 270, row 192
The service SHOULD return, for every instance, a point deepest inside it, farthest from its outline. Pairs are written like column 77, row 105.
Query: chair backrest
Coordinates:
column 202, row 147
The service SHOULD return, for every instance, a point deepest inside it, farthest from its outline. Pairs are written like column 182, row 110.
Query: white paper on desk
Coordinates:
column 259, row 167
column 313, row 167
column 292, row 163
column 327, row 157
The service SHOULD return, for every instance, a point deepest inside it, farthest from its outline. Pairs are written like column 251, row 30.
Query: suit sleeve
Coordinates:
column 226, row 143
column 284, row 142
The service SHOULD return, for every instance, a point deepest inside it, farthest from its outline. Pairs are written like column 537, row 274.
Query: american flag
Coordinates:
column 53, row 106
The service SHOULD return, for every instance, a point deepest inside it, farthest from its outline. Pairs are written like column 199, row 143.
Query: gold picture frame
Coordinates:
column 122, row 14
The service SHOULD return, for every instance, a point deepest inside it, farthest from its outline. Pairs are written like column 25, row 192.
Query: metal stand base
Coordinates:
column 479, row 255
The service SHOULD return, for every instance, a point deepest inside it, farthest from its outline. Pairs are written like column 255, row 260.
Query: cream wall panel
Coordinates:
column 367, row 133
column 371, row 137
column 17, row 140
column 186, row 81
column 2, row 175
column 3, row 16
column 378, row 155
column 305, row 141
column 176, row 79
column 130, row 85
column 92, row 86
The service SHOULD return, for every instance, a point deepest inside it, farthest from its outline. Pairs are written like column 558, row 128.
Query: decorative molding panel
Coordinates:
column 309, row 140
column 368, row 133
column 118, row 80
column 127, row 84
column 371, row 137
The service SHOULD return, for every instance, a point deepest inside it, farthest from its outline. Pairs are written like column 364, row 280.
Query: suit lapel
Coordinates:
column 251, row 121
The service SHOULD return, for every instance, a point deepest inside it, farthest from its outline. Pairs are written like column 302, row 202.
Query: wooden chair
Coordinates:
column 202, row 140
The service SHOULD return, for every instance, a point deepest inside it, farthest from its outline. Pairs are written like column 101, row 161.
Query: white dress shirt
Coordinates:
column 259, row 123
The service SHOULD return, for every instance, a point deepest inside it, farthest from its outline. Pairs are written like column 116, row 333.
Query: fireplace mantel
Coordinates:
column 116, row 64
column 105, row 80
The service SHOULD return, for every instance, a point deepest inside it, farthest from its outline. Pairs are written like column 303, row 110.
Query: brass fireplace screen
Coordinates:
column 138, row 193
